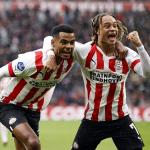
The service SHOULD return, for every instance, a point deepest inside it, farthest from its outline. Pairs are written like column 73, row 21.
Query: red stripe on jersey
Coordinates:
column 30, row 106
column 100, row 61
column 69, row 64
column 47, row 75
column 38, row 60
column 90, row 56
column 17, row 89
column 125, row 66
column 59, row 70
column 34, row 75
column 34, row 90
column 112, row 64
column 110, row 98
column 10, row 69
column 120, row 102
column 40, row 104
column 88, row 87
column 97, row 100
column 134, row 63
column 29, row 96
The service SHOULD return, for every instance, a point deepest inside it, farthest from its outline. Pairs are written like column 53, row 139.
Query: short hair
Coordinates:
column 61, row 28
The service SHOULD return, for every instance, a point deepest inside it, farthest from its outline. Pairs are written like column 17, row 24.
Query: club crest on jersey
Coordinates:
column 12, row 120
column 20, row 66
column 118, row 65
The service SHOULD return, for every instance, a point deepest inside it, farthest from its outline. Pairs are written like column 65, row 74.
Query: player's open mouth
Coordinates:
column 112, row 36
column 66, row 55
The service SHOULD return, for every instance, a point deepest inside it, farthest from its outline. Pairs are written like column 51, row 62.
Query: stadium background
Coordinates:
column 24, row 24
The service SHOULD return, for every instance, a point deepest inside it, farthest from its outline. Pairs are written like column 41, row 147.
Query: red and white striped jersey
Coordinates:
column 30, row 81
column 4, row 82
column 104, row 79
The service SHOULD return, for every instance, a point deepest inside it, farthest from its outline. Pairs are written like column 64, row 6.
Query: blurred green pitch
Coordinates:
column 58, row 135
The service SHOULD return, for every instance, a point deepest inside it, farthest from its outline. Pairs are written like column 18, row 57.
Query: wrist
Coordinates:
column 140, row 48
column 139, row 44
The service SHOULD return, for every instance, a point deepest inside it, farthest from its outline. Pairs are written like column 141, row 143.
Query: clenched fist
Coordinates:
column 134, row 38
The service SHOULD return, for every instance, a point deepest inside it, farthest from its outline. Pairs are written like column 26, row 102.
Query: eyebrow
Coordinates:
column 68, row 41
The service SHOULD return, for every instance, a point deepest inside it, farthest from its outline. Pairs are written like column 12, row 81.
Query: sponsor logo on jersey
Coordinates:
column 20, row 66
column 44, row 84
column 105, row 77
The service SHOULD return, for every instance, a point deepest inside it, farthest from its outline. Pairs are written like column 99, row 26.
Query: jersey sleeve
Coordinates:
column 47, row 43
column 139, row 62
column 80, row 51
column 134, row 62
column 78, row 47
column 26, row 64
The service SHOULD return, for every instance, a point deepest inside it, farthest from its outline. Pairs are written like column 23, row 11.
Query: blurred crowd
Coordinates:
column 24, row 29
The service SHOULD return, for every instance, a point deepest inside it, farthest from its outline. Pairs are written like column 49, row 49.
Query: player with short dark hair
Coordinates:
column 61, row 28
column 22, row 100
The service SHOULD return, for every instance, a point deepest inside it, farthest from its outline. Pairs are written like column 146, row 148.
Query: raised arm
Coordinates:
column 144, row 57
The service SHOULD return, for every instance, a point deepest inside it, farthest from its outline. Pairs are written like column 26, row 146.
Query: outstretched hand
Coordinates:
column 134, row 38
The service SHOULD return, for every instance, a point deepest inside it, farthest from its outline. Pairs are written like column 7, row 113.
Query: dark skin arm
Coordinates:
column 121, row 51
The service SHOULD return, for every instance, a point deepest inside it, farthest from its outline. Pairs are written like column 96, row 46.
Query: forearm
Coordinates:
column 145, row 61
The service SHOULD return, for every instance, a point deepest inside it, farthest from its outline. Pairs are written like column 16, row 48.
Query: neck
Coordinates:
column 57, row 57
column 108, row 49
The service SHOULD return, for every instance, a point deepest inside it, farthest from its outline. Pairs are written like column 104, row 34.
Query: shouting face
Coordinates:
column 64, row 44
column 108, row 30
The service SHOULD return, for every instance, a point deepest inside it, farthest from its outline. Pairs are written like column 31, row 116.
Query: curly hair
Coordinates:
column 96, row 21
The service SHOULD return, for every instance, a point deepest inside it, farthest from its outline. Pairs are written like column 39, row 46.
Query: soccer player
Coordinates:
column 106, row 114
column 22, row 100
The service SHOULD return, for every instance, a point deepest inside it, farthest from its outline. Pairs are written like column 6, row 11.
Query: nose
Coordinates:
column 112, row 28
column 69, row 46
